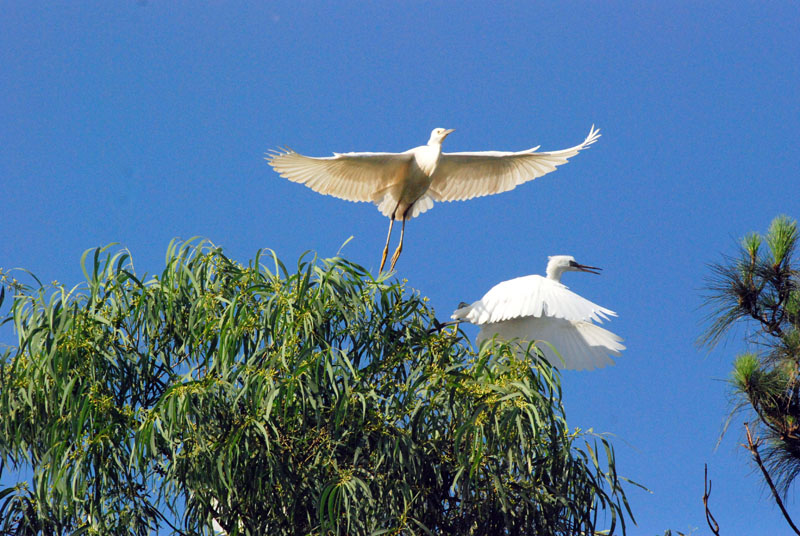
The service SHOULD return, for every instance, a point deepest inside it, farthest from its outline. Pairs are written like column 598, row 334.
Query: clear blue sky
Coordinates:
column 137, row 122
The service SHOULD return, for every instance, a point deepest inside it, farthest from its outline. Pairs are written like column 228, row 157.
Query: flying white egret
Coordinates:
column 404, row 185
column 535, row 308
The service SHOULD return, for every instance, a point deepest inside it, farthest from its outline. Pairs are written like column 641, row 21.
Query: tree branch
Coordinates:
column 752, row 446
column 439, row 326
column 712, row 523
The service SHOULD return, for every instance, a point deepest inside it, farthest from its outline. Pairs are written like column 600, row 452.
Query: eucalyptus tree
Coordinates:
column 760, row 289
column 262, row 400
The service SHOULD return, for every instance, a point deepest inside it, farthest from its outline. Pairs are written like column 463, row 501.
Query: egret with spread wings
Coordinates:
column 406, row 184
column 535, row 308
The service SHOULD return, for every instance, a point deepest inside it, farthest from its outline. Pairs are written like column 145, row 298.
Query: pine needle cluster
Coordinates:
column 761, row 289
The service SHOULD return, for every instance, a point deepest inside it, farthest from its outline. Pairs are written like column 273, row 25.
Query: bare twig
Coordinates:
column 752, row 446
column 439, row 326
column 712, row 523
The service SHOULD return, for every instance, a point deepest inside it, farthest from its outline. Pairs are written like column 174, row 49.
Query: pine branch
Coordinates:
column 712, row 523
column 752, row 446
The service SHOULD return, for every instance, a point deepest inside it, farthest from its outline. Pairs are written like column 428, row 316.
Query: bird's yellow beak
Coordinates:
column 448, row 132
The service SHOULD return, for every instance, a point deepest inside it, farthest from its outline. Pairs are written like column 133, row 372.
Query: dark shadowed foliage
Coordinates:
column 273, row 401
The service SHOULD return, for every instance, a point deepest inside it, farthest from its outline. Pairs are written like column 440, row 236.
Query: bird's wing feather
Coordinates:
column 461, row 176
column 349, row 176
column 580, row 345
column 533, row 296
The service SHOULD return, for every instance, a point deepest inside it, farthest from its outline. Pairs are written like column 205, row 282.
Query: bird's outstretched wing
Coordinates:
column 348, row 176
column 580, row 345
column 534, row 296
column 461, row 176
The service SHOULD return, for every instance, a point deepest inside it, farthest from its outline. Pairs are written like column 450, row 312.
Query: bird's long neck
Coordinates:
column 554, row 272
column 436, row 145
column 428, row 157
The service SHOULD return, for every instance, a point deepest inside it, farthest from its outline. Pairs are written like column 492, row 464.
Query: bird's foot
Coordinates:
column 394, row 258
column 383, row 258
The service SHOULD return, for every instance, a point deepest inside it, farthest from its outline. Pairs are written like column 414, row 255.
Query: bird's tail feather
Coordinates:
column 462, row 311
column 387, row 203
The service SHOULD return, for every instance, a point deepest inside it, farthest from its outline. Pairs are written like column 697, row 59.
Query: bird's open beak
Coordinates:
column 590, row 269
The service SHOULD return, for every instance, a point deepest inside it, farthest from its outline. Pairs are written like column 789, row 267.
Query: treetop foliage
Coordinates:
column 255, row 399
column 760, row 288
column 760, row 284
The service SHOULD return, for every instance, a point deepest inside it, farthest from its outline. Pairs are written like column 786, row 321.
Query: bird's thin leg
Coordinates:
column 386, row 247
column 399, row 247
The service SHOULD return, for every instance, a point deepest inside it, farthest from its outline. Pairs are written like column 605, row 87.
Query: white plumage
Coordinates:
column 404, row 185
column 535, row 308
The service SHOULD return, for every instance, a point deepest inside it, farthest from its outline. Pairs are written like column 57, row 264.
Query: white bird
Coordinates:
column 404, row 185
column 535, row 308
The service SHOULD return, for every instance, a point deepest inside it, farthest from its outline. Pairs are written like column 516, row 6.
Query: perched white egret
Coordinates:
column 535, row 308
column 404, row 185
